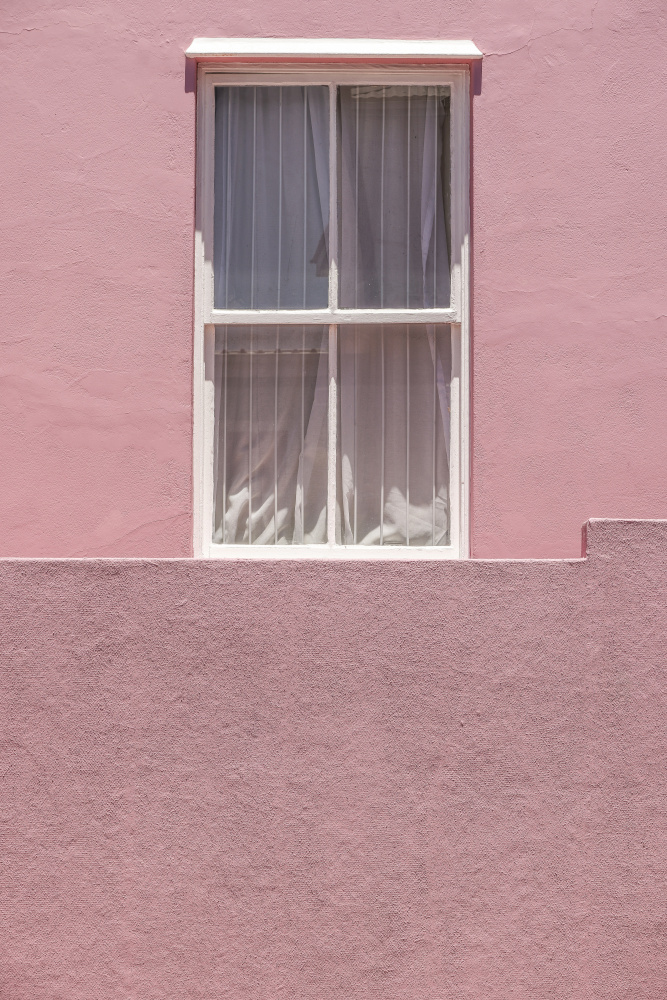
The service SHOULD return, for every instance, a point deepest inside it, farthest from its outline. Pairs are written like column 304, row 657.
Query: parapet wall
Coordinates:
column 401, row 780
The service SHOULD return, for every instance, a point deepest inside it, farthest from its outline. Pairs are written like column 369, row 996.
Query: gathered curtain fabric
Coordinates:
column 271, row 250
column 394, row 179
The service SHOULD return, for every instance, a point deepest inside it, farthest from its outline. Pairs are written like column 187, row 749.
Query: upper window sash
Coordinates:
column 454, row 78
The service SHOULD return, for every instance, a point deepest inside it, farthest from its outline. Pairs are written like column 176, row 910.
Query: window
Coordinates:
column 331, row 326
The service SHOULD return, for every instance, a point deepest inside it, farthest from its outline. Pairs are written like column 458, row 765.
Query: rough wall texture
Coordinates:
column 570, row 225
column 414, row 781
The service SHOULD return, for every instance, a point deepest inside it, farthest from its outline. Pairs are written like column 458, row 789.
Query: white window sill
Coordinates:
column 393, row 553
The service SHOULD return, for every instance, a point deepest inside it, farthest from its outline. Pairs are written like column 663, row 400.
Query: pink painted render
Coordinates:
column 412, row 781
column 260, row 780
column 96, row 261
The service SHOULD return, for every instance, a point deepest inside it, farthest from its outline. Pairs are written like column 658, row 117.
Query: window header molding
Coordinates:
column 354, row 50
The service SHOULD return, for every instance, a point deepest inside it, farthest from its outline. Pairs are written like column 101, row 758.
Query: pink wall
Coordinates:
column 570, row 224
column 456, row 792
column 260, row 780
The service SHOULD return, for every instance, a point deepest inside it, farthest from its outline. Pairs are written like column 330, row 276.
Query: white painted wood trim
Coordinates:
column 208, row 444
column 460, row 184
column 324, row 317
column 458, row 79
column 395, row 553
column 331, row 49
column 333, row 198
column 257, row 74
column 199, row 417
column 332, row 434
column 207, row 92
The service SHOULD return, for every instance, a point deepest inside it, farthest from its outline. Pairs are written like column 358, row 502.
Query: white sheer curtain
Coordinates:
column 394, row 230
column 271, row 389
column 394, row 434
column 271, row 197
column 271, row 401
column 271, row 251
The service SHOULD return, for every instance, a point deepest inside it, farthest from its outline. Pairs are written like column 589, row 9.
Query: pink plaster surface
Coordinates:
column 570, row 257
column 408, row 781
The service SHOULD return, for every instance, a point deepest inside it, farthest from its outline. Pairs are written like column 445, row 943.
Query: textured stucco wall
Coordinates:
column 407, row 781
column 570, row 224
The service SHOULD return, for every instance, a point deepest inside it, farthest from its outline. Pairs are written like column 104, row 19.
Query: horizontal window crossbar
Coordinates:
column 339, row 317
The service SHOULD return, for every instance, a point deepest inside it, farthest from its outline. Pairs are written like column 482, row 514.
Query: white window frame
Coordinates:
column 207, row 317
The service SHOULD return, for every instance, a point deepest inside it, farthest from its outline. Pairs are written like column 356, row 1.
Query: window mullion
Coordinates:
column 333, row 197
column 332, row 433
column 332, row 417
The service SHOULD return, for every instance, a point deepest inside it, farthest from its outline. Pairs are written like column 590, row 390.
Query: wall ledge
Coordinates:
column 333, row 50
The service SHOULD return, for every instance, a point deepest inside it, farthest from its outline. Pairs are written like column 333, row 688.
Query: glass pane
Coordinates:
column 270, row 457
column 394, row 434
column 394, row 197
column 271, row 226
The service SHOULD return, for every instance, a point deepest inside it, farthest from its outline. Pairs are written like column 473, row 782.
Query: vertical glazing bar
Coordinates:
column 305, row 186
column 382, row 438
column 332, row 458
column 356, row 390
column 254, row 187
column 224, row 439
column 280, row 193
column 275, row 443
column 228, row 195
column 250, row 445
column 407, row 224
column 333, row 197
column 356, row 207
column 435, row 207
column 407, row 435
column 434, row 418
column 384, row 101
column 303, row 430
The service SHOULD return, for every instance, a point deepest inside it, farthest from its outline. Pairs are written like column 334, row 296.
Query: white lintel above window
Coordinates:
column 348, row 50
